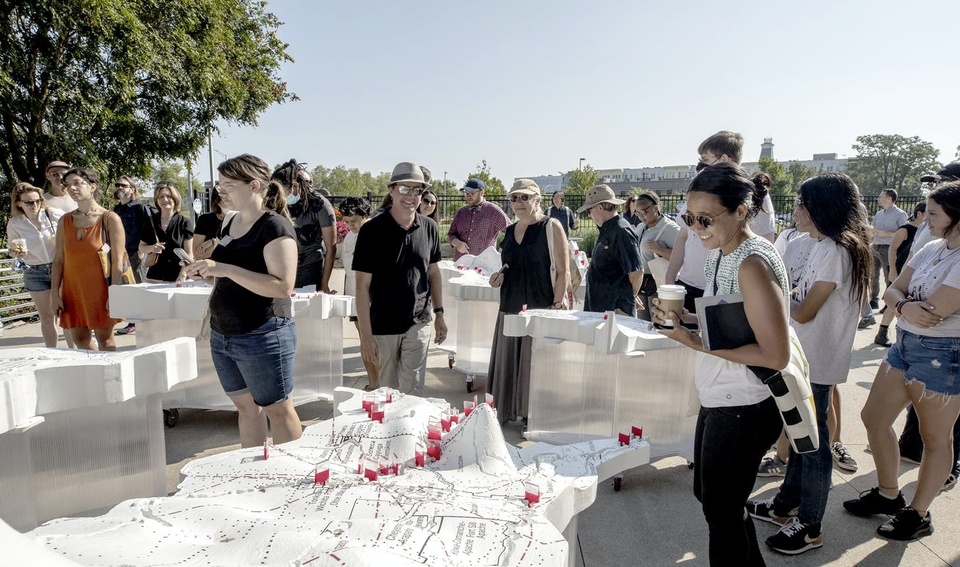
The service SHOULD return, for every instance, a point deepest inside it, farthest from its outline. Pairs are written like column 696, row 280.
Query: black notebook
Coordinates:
column 723, row 322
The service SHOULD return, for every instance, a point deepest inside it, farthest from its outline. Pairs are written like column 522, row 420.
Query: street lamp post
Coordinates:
column 445, row 193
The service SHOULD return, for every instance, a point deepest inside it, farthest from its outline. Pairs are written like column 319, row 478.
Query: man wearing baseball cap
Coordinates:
column 615, row 273
column 399, row 283
column 477, row 224
column 55, row 196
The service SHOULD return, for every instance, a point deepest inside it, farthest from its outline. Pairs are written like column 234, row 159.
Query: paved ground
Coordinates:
column 654, row 519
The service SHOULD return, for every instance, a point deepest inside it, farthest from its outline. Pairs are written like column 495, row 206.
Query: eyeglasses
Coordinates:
column 405, row 190
column 524, row 198
column 702, row 220
column 645, row 210
column 429, row 202
column 121, row 185
column 31, row 203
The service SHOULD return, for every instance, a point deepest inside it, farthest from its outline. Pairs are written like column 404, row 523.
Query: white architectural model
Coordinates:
column 482, row 502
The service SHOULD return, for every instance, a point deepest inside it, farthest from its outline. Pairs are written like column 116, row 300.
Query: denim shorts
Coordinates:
column 932, row 361
column 259, row 362
column 37, row 278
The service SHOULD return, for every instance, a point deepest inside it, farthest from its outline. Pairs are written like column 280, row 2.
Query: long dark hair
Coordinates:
column 248, row 167
column 732, row 186
column 435, row 215
column 832, row 200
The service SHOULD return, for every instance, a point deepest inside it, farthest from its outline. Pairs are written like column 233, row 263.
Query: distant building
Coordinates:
column 675, row 178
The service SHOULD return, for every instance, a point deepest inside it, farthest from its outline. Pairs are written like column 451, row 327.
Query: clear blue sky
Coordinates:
column 532, row 86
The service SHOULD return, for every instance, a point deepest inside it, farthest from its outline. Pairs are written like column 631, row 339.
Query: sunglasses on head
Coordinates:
column 524, row 198
column 702, row 220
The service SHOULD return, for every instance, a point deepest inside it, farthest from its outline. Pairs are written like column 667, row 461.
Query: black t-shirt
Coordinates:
column 133, row 215
column 310, row 247
column 234, row 309
column 616, row 254
column 208, row 226
column 180, row 228
column 397, row 260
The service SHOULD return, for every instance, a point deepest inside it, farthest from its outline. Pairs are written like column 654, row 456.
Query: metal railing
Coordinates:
column 15, row 302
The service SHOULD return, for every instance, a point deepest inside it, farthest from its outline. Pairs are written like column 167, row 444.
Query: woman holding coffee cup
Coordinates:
column 738, row 419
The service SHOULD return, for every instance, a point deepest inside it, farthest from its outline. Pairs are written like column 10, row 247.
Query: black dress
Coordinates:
column 527, row 281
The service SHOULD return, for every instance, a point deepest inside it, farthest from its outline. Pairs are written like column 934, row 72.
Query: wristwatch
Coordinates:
column 438, row 309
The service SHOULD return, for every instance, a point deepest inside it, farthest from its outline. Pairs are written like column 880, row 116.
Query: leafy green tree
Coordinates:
column 891, row 161
column 798, row 173
column 780, row 185
column 495, row 189
column 579, row 181
column 344, row 181
column 115, row 85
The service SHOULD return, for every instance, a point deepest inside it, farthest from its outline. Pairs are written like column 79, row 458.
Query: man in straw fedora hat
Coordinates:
column 399, row 283
column 615, row 273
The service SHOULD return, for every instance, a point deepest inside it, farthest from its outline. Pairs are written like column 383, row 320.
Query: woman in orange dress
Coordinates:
column 78, row 288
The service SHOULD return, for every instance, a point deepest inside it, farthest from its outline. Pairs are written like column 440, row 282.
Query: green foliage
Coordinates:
column 114, row 85
column 891, row 161
column 495, row 189
column 588, row 232
column 780, row 180
column 342, row 181
column 581, row 180
column 799, row 173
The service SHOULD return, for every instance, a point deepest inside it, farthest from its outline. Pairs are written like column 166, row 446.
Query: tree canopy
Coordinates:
column 581, row 180
column 891, row 161
column 115, row 85
column 495, row 189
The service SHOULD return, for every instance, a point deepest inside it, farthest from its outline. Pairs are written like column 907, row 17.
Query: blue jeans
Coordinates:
column 259, row 362
column 807, row 482
column 728, row 445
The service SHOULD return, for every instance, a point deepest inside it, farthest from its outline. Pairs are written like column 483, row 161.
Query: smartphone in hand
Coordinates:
column 182, row 254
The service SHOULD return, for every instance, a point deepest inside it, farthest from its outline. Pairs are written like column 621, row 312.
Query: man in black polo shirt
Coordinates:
column 398, row 281
column 615, row 272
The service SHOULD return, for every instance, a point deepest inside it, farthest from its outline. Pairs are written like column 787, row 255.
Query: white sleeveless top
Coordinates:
column 722, row 383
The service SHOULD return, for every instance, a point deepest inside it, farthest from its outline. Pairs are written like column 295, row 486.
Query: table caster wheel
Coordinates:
column 451, row 362
column 469, row 386
column 171, row 417
column 617, row 483
column 690, row 465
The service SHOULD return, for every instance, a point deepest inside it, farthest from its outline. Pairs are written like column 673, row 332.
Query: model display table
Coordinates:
column 480, row 502
column 594, row 375
column 80, row 431
column 165, row 311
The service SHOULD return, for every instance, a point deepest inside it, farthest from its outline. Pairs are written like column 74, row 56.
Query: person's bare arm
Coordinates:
column 436, row 298
column 118, row 237
column 676, row 256
column 805, row 311
column 561, row 259
column 56, row 271
column 898, row 237
column 280, row 256
column 368, row 346
column 330, row 246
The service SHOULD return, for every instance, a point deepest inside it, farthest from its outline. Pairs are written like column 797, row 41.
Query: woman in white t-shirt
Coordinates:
column 920, row 368
column 824, row 312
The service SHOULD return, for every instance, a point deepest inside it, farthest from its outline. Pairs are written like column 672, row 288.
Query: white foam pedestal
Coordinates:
column 90, row 433
column 465, row 509
column 595, row 378
column 164, row 311
column 476, row 306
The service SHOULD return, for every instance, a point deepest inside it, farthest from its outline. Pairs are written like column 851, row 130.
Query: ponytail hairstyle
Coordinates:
column 732, row 186
column 248, row 167
column 920, row 207
column 832, row 201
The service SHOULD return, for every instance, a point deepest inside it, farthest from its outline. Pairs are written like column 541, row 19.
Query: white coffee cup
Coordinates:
column 671, row 299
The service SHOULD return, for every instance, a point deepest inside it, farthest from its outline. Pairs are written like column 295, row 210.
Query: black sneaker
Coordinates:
column 766, row 510
column 796, row 537
column 867, row 322
column 952, row 479
column 871, row 502
column 874, row 304
column 906, row 525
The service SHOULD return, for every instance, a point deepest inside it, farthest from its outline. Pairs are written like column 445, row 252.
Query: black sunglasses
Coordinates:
column 702, row 220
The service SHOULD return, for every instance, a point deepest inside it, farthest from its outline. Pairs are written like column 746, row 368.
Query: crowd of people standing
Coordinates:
column 269, row 233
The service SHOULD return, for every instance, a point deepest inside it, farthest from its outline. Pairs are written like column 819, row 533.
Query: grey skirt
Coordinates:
column 508, row 378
